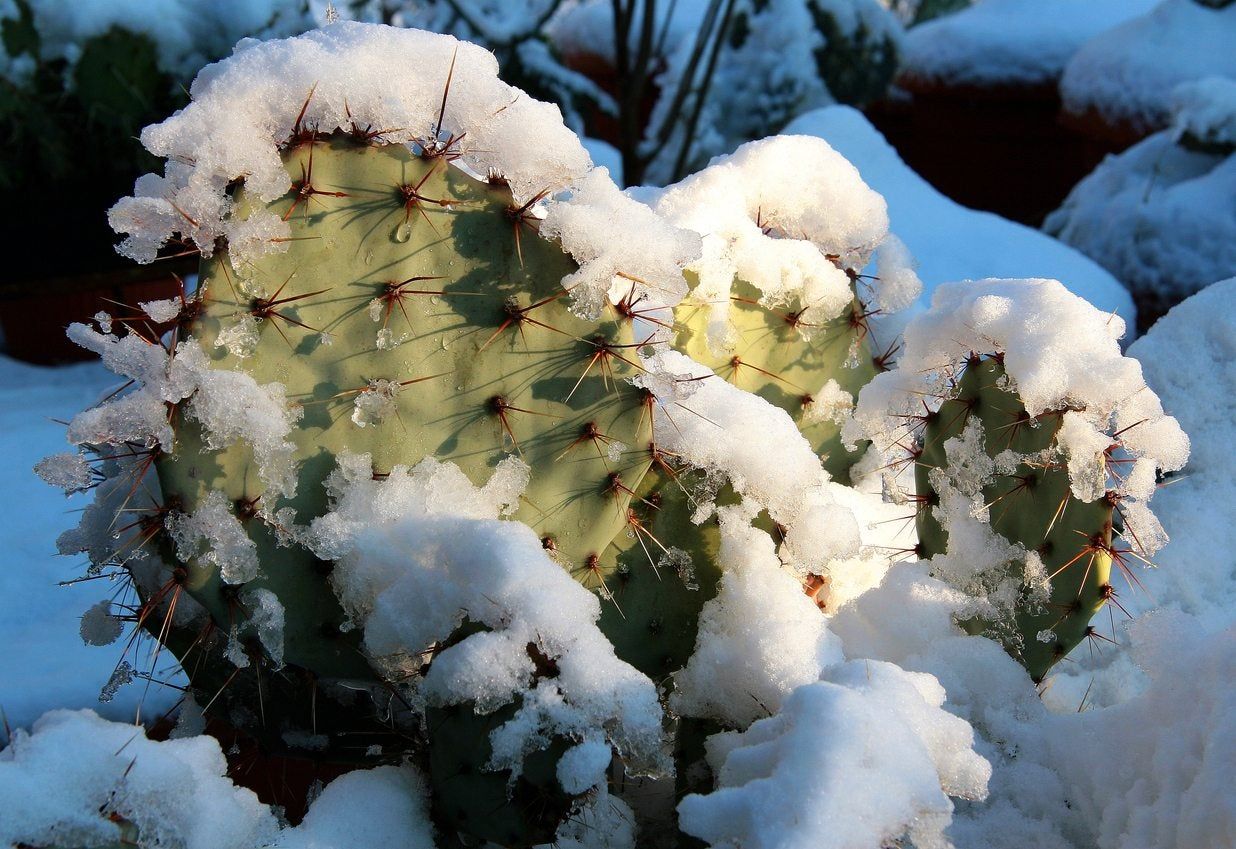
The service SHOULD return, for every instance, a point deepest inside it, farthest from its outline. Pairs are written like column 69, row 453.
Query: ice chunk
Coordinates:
column 69, row 471
column 99, row 626
column 214, row 535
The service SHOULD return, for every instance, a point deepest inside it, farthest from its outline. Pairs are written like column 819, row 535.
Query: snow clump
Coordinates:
column 423, row 552
column 892, row 759
column 787, row 215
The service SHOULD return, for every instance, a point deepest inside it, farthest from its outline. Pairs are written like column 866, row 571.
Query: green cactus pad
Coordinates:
column 773, row 359
column 1031, row 505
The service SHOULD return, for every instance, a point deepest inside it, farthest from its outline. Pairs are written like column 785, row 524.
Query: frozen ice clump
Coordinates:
column 77, row 779
column 865, row 757
column 604, row 822
column 1125, row 77
column 349, row 73
column 232, row 407
column 161, row 311
column 213, row 534
column 69, row 471
column 100, row 627
column 422, row 552
column 787, row 214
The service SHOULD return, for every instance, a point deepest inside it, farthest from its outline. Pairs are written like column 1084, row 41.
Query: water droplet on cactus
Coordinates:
column 402, row 233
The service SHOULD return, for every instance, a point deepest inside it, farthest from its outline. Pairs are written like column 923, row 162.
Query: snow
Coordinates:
column 948, row 241
column 619, row 244
column 385, row 806
column 892, row 759
column 244, row 107
column 186, row 34
column 78, row 779
column 1171, row 787
column 759, row 638
column 422, row 552
column 62, row 783
column 1126, row 76
column 1009, row 42
column 228, row 404
column 1174, row 198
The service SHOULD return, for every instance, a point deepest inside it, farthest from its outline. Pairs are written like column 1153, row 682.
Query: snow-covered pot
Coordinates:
column 1118, row 88
column 1159, row 216
column 982, row 119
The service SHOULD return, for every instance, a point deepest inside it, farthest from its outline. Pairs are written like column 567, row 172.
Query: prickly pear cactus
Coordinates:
column 416, row 314
column 1036, row 447
column 1029, row 503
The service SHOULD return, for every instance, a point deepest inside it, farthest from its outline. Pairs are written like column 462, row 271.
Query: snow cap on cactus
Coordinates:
column 1058, row 351
column 397, row 86
column 787, row 215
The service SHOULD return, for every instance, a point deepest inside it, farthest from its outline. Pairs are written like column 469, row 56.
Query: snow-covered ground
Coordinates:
column 46, row 665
